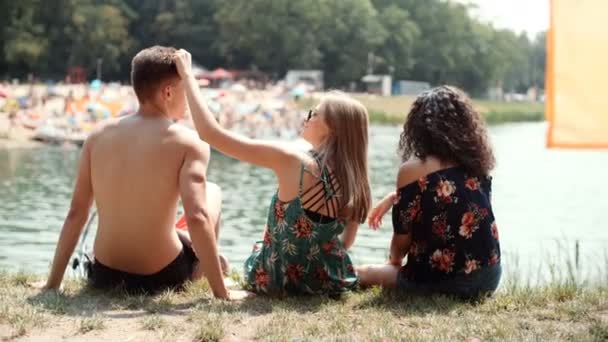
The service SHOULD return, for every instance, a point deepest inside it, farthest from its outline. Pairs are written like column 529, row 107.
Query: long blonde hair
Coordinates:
column 346, row 151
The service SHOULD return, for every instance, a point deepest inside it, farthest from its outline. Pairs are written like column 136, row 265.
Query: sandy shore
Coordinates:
column 7, row 144
column 17, row 137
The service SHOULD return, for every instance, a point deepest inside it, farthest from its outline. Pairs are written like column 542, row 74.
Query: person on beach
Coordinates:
column 323, row 193
column 442, row 215
column 135, row 169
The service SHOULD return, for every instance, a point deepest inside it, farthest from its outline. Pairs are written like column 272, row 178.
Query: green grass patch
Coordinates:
column 153, row 322
column 209, row 328
column 393, row 109
column 503, row 112
column 561, row 310
column 88, row 324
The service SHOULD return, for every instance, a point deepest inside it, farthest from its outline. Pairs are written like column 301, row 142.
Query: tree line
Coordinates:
column 437, row 41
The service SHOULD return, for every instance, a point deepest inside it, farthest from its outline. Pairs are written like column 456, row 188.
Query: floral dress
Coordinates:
column 300, row 255
column 449, row 215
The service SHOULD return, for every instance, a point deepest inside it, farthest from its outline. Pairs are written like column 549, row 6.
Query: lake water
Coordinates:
column 545, row 201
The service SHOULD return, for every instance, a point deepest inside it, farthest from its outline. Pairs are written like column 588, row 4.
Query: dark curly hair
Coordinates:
column 443, row 123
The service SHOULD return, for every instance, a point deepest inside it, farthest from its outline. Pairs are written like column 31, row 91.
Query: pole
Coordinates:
column 99, row 63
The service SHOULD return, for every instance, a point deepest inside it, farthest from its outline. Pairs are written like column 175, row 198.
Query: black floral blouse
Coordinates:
column 452, row 224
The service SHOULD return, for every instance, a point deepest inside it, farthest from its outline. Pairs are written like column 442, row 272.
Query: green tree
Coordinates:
column 437, row 41
column 274, row 35
column 102, row 32
column 538, row 60
column 190, row 24
column 25, row 44
column 397, row 51
column 56, row 18
column 446, row 47
column 350, row 31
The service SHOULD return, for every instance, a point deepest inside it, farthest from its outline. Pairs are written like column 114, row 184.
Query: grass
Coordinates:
column 392, row 109
column 502, row 112
column 563, row 305
column 564, row 308
column 209, row 327
column 153, row 323
column 89, row 324
column 558, row 311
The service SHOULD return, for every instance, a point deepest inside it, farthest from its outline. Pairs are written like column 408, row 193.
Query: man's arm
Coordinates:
column 192, row 182
column 77, row 216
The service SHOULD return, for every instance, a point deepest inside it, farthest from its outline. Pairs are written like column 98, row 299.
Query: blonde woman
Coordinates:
column 323, row 193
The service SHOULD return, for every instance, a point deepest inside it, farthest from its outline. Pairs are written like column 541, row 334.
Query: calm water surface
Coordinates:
column 544, row 201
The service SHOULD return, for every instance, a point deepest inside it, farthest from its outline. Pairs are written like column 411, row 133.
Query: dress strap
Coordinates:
column 323, row 192
column 325, row 177
column 302, row 169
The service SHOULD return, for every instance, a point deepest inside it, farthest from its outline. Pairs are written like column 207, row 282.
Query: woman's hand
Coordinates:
column 240, row 295
column 374, row 219
column 269, row 154
column 183, row 63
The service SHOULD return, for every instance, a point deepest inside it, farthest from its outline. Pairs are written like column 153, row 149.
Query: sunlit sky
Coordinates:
column 531, row 16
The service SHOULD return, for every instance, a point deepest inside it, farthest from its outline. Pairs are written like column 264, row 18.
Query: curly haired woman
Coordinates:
column 442, row 216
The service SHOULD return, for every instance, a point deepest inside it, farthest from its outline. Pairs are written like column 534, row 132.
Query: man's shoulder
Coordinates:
column 189, row 139
column 102, row 128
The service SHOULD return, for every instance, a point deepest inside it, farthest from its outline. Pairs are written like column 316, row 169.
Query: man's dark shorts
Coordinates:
column 173, row 276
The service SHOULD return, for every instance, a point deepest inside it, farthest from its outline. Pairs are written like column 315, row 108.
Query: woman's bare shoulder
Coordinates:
column 414, row 169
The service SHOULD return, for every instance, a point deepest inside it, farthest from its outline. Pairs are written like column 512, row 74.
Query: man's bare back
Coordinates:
column 135, row 168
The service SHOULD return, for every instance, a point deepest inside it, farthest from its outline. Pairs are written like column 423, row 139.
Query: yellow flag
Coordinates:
column 577, row 74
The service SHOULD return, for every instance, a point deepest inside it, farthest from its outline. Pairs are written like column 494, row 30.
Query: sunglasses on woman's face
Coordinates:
column 311, row 113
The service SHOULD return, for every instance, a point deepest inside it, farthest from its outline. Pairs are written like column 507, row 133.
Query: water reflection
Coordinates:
column 540, row 197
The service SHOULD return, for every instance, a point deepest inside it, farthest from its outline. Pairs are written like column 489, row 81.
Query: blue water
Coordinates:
column 544, row 200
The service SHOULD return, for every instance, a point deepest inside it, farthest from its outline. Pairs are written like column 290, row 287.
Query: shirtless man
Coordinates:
column 135, row 169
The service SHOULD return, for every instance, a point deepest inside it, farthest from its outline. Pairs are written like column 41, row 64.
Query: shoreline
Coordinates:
column 376, row 118
column 15, row 144
column 18, row 138
column 392, row 110
column 494, row 118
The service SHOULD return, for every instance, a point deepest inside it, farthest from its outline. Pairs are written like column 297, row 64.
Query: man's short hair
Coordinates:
column 149, row 68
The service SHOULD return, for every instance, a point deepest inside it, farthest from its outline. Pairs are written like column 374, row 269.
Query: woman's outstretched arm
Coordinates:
column 262, row 153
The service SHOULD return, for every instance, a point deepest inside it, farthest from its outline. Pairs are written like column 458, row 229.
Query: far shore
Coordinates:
column 9, row 144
